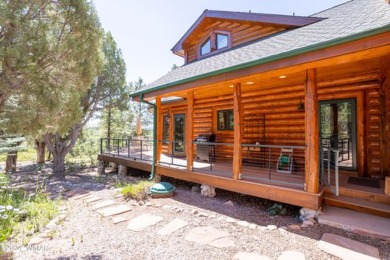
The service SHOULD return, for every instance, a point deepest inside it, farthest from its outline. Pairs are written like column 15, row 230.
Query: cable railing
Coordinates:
column 134, row 148
column 330, row 160
column 173, row 153
column 272, row 163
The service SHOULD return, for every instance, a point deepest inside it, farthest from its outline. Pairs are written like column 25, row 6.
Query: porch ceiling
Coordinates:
column 273, row 79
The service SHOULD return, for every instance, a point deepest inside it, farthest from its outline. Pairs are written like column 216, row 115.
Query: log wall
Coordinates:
column 240, row 32
column 284, row 124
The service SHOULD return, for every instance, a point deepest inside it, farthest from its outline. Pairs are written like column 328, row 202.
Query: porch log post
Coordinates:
column 311, row 133
column 189, row 130
column 159, row 128
column 237, row 151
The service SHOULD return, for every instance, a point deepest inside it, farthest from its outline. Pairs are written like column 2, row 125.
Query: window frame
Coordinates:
column 212, row 37
column 165, row 132
column 229, row 127
column 216, row 41
column 208, row 40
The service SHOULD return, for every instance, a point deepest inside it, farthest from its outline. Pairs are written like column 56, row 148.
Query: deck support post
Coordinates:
column 237, row 151
column 189, row 132
column 159, row 128
column 311, row 133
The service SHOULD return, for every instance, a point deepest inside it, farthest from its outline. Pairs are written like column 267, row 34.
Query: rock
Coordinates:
column 195, row 211
column 242, row 223
column 195, row 188
column 288, row 255
column 207, row 191
column 141, row 203
column 229, row 203
column 202, row 214
column 346, row 248
column 307, row 223
column 107, row 212
column 122, row 170
column 156, row 205
column 166, row 207
column 230, row 220
column 142, row 222
column 252, row 226
column 173, row 226
column 148, row 204
column 294, row 227
column 306, row 214
column 103, row 204
column 212, row 216
column 36, row 240
column 271, row 227
column 262, row 228
column 179, row 210
column 210, row 236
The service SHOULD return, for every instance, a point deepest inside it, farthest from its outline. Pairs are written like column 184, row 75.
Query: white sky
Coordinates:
column 146, row 30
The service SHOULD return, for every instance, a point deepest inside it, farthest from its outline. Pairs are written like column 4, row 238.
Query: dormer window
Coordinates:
column 214, row 42
column 205, row 47
column 222, row 41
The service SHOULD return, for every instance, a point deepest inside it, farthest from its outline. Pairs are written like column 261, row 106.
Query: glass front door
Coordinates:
column 338, row 130
column 178, row 135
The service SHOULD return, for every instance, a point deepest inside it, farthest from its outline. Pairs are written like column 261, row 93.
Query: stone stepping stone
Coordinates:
column 81, row 196
column 210, row 236
column 346, row 248
column 92, row 199
column 118, row 219
column 114, row 210
column 173, row 226
column 249, row 256
column 103, row 204
column 142, row 222
column 288, row 255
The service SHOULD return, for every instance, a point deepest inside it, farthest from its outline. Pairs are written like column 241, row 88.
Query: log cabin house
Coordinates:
column 289, row 108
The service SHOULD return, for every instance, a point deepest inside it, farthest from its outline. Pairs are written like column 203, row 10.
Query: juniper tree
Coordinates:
column 55, row 99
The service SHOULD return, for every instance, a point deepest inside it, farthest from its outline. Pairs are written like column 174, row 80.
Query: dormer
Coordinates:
column 218, row 31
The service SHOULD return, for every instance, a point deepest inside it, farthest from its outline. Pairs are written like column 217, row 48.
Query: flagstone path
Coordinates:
column 176, row 229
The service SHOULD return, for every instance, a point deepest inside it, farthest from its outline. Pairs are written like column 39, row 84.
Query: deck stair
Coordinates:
column 362, row 201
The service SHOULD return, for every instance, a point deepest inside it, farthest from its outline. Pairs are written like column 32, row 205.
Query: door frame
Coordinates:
column 354, row 130
column 174, row 114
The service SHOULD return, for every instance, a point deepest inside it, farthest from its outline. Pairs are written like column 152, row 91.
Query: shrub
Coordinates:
column 137, row 191
column 23, row 214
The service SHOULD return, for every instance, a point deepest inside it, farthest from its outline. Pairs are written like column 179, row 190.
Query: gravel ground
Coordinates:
column 84, row 234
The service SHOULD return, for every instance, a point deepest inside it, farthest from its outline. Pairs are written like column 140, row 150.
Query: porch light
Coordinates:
column 282, row 76
column 231, row 86
column 250, row 83
column 301, row 106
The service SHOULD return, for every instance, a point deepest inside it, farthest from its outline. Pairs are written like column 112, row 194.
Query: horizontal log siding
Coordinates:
column 241, row 33
column 373, row 141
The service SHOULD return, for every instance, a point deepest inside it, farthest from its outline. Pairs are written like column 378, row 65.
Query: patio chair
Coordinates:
column 285, row 161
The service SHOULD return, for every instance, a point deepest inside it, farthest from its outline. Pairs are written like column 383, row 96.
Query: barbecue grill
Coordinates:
column 206, row 151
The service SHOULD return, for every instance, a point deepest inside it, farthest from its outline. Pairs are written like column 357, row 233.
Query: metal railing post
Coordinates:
column 269, row 163
column 118, row 145
column 128, row 147
column 101, row 145
column 336, row 166
column 329, row 163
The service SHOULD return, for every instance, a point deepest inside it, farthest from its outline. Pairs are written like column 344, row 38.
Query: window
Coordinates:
column 214, row 42
column 206, row 47
column 222, row 41
column 165, row 129
column 225, row 119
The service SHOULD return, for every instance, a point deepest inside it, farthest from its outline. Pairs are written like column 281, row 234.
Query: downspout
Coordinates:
column 141, row 98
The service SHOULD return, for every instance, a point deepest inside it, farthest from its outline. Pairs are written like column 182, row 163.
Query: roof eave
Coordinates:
column 272, row 58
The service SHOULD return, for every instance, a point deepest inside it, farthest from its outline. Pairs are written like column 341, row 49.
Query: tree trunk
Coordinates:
column 10, row 164
column 109, row 122
column 59, row 163
column 40, row 147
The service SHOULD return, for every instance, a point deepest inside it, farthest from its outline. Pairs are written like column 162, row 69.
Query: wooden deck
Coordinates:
column 253, row 182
